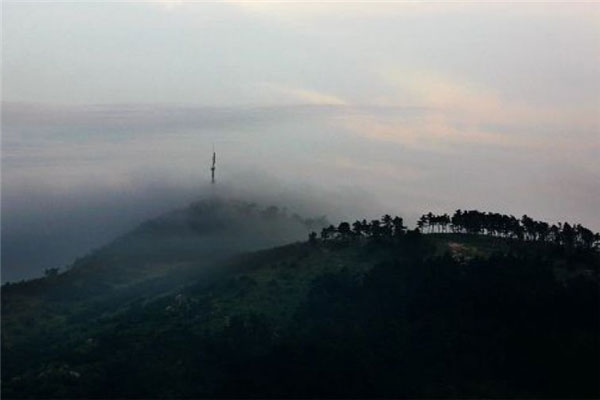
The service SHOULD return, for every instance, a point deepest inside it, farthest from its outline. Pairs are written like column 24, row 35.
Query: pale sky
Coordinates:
column 411, row 106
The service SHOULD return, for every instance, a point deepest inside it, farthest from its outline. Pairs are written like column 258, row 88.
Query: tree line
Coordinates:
column 470, row 222
column 387, row 227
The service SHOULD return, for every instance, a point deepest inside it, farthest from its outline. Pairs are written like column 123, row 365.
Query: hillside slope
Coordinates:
column 184, row 240
column 417, row 316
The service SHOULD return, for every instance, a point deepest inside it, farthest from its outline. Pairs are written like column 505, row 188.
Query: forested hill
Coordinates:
column 173, row 245
column 368, row 309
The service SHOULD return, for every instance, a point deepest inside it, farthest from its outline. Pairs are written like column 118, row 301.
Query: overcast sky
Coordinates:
column 410, row 107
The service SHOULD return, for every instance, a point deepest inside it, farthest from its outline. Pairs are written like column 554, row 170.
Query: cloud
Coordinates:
column 429, row 132
column 168, row 4
column 279, row 93
column 460, row 112
column 293, row 12
column 480, row 104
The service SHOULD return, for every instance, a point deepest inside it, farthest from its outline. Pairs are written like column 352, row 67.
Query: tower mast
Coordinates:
column 212, row 168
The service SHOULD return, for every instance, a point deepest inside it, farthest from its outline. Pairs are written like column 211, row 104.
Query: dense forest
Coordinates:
column 482, row 306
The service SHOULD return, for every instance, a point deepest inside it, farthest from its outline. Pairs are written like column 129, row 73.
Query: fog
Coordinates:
column 110, row 112
column 44, row 229
column 76, row 177
column 69, row 188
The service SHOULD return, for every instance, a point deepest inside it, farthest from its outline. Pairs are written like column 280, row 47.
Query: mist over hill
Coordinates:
column 46, row 228
column 300, row 199
column 491, row 306
column 74, row 177
column 201, row 234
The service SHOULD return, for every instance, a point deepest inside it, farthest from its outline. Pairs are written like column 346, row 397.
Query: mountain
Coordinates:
column 185, row 240
column 174, row 309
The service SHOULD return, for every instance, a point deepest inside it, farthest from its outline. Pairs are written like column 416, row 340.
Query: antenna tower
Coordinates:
column 212, row 168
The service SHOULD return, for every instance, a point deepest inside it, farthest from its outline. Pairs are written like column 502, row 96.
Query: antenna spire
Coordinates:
column 212, row 168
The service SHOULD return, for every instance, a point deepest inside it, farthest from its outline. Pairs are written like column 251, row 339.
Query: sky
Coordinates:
column 110, row 111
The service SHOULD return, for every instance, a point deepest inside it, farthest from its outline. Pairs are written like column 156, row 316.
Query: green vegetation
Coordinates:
column 366, row 310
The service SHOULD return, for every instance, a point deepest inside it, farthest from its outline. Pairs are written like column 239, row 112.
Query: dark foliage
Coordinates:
column 522, row 323
column 507, row 226
column 472, row 222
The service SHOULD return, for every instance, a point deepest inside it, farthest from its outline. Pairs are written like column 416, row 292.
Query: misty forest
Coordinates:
column 300, row 199
column 477, row 304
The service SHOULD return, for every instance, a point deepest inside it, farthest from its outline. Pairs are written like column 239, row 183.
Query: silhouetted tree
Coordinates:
column 386, row 225
column 357, row 228
column 344, row 230
column 529, row 227
column 429, row 219
column 365, row 227
column 399, row 228
column 422, row 222
column 328, row 232
column 585, row 237
column 568, row 235
column 473, row 222
column 375, row 229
